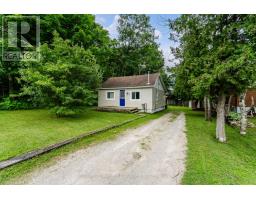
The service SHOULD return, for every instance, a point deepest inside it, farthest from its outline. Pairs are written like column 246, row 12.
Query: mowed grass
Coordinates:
column 11, row 174
column 211, row 162
column 208, row 161
column 25, row 130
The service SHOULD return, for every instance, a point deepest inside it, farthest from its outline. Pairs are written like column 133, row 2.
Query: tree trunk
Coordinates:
column 205, row 108
column 209, row 109
column 229, row 104
column 253, row 102
column 220, row 126
column 252, row 106
column 243, row 121
column 10, row 84
column 198, row 104
column 190, row 104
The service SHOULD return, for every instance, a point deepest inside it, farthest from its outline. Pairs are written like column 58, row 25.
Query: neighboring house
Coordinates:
column 250, row 100
column 144, row 92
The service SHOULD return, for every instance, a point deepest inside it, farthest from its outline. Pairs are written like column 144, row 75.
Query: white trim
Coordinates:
column 111, row 98
column 135, row 96
column 122, row 98
column 120, row 88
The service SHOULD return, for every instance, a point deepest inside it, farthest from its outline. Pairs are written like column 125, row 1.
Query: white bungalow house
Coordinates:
column 144, row 92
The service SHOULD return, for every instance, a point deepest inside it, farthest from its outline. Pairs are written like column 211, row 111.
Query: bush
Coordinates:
column 233, row 116
column 9, row 103
column 66, row 84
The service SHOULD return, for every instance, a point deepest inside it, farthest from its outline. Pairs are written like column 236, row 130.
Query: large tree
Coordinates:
column 80, row 30
column 9, row 69
column 137, row 49
column 65, row 80
column 217, row 58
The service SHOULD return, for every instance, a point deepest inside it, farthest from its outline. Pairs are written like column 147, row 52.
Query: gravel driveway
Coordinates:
column 151, row 154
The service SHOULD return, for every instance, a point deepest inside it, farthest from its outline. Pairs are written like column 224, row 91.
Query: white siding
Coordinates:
column 159, row 98
column 153, row 97
column 103, row 101
column 145, row 98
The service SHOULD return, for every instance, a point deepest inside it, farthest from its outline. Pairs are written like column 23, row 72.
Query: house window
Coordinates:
column 110, row 95
column 135, row 95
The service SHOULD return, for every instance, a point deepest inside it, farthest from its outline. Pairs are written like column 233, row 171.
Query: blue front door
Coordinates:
column 122, row 98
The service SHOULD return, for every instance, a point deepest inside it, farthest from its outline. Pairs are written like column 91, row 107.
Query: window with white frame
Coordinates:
column 110, row 95
column 135, row 95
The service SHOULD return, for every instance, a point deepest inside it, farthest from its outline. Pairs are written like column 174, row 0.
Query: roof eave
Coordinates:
column 108, row 88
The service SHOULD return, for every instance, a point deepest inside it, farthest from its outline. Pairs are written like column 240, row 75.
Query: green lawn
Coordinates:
column 90, row 120
column 26, row 130
column 210, row 162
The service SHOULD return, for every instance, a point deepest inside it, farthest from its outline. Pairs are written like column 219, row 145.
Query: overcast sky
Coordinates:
column 159, row 22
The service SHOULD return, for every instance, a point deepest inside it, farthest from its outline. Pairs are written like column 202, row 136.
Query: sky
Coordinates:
column 159, row 22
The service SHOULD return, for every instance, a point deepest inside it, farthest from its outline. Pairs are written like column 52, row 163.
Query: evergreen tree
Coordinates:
column 217, row 58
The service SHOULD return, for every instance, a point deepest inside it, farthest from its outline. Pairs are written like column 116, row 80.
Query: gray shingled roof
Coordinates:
column 131, row 81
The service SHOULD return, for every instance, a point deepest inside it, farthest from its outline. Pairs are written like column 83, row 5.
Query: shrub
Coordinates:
column 12, row 104
column 233, row 116
column 65, row 84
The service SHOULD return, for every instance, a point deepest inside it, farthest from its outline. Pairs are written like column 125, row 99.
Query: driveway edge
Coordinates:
column 20, row 158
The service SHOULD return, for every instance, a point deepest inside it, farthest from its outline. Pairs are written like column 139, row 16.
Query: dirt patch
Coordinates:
column 136, row 155
column 174, row 115
column 145, row 143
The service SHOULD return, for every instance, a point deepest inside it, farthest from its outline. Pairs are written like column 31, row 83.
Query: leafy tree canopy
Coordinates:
column 216, row 54
column 217, row 58
column 137, row 50
column 80, row 30
column 65, row 79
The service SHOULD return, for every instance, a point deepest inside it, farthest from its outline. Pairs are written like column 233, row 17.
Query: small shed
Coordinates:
column 147, row 93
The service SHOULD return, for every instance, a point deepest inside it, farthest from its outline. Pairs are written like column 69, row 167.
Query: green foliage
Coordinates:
column 182, row 88
column 66, row 78
column 234, row 116
column 136, row 49
column 9, row 70
column 83, row 49
column 216, row 54
column 80, row 30
column 9, row 103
